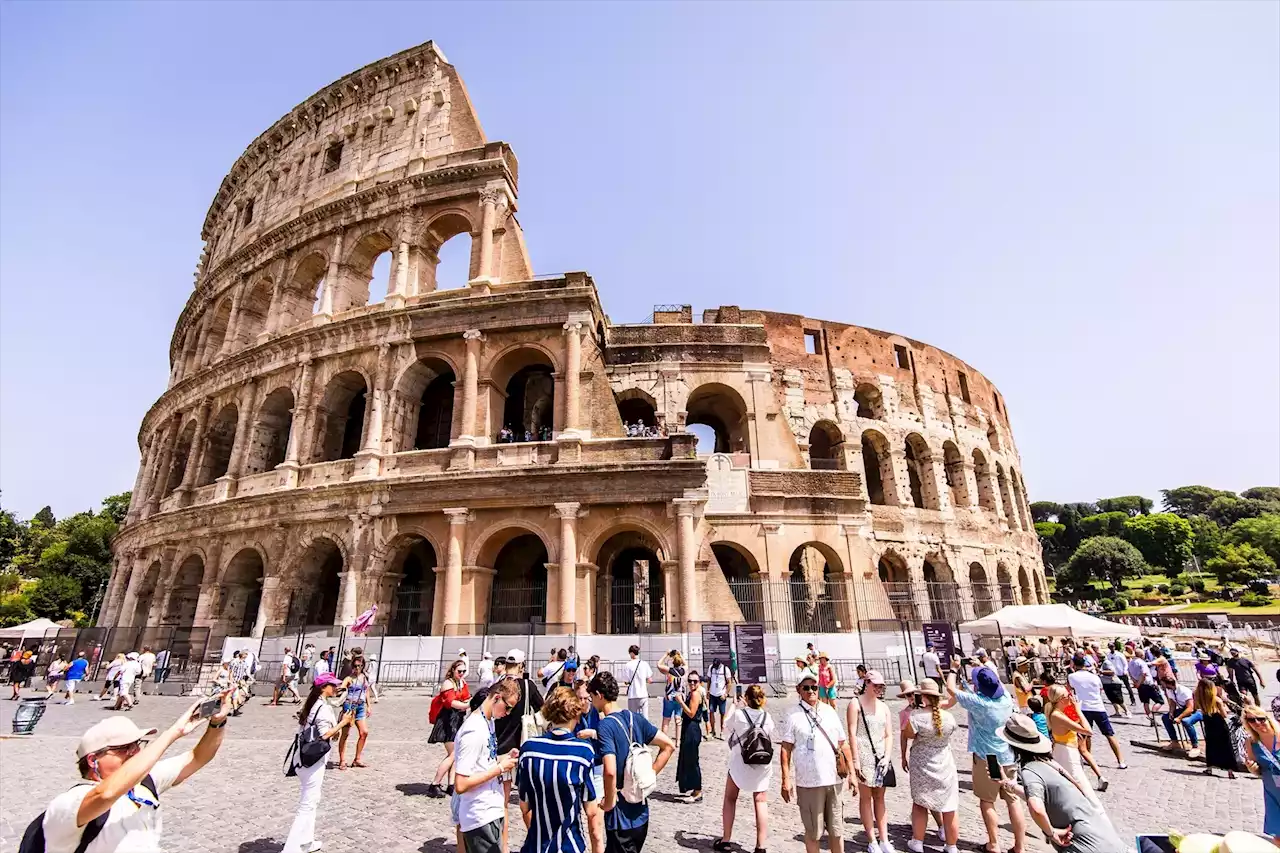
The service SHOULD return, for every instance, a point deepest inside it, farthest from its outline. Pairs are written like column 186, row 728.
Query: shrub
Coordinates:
column 1196, row 584
column 1163, row 588
column 1146, row 587
column 1177, row 590
column 1122, row 603
column 1253, row 599
column 1106, row 604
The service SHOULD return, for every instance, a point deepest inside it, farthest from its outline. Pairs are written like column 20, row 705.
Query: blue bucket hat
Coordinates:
column 987, row 683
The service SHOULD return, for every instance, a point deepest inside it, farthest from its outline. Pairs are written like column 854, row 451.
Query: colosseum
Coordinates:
column 495, row 456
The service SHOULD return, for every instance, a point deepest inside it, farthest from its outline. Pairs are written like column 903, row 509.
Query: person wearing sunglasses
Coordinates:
column 688, row 764
column 478, row 770
column 1264, row 760
column 125, row 774
column 812, row 736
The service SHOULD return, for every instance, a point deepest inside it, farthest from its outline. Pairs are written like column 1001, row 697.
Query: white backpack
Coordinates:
column 638, row 778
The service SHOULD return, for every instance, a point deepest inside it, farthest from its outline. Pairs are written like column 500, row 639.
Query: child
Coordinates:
column 1036, row 706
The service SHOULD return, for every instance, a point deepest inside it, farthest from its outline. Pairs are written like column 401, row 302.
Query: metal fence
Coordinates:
column 803, row 606
column 186, row 648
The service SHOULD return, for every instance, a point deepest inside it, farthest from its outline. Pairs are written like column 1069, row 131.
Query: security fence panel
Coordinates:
column 452, row 649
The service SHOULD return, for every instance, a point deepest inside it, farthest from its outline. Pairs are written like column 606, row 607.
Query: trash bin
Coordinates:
column 28, row 714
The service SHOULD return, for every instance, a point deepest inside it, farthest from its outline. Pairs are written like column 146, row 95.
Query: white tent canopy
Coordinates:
column 1046, row 619
column 34, row 628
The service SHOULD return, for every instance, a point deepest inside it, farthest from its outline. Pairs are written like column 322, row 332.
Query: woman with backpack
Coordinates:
column 316, row 711
column 448, row 709
column 672, row 666
column 688, row 764
column 749, row 731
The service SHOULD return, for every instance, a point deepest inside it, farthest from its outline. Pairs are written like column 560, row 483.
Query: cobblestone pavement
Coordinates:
column 243, row 803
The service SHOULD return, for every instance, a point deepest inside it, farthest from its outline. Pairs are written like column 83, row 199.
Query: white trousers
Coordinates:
column 303, row 831
column 1069, row 758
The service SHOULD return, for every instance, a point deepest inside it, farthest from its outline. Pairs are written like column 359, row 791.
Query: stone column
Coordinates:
column 115, row 590
column 569, row 426
column 400, row 277
column 568, row 513
column 298, row 426
column 348, row 598
column 195, row 454
column 142, row 482
column 687, row 547
column 458, row 518
column 488, row 216
column 266, row 604
column 368, row 463
column 240, row 446
column 161, row 472
column 760, row 390
column 208, row 599
column 331, row 278
column 464, row 456
column 130, row 603
column 233, row 323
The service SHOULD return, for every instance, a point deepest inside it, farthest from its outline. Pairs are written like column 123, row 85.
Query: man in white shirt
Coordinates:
column 811, row 734
column 718, row 679
column 484, row 670
column 128, row 676
column 478, row 770
column 147, row 660
column 1088, row 689
column 114, row 802
column 637, row 674
column 931, row 664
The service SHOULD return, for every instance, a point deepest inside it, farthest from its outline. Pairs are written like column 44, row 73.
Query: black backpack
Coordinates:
column 293, row 664
column 755, row 746
column 33, row 838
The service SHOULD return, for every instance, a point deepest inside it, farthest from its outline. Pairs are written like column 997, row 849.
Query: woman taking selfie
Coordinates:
column 316, row 711
column 450, row 707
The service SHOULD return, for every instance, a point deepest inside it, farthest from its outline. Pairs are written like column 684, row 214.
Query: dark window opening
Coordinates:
column 528, row 411
column 353, row 429
column 248, row 211
column 996, row 399
column 964, row 388
column 435, row 414
column 812, row 342
column 871, row 468
column 332, row 158
column 902, row 357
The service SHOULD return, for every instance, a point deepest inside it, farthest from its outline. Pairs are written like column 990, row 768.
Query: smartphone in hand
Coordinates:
column 208, row 708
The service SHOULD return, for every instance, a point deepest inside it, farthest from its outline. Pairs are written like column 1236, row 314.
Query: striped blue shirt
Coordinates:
column 554, row 779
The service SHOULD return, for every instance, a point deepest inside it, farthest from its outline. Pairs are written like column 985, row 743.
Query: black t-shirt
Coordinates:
column 507, row 729
column 1242, row 669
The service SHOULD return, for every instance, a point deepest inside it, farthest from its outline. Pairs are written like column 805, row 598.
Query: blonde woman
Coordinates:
column 1065, row 730
column 751, row 778
column 935, row 786
column 672, row 666
column 1264, row 749
column 1219, row 749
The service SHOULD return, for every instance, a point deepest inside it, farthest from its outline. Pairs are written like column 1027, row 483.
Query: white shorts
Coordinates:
column 69, row 685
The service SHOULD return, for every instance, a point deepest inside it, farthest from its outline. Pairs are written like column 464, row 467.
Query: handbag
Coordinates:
column 531, row 725
column 842, row 762
column 890, row 778
column 308, row 747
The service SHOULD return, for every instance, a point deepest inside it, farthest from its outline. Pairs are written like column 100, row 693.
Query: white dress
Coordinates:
column 749, row 778
column 934, row 783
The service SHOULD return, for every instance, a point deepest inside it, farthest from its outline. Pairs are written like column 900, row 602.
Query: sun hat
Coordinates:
column 906, row 688
column 823, row 656
column 1021, row 661
column 1020, row 731
column 515, row 656
column 987, row 683
column 325, row 678
column 807, row 675
column 874, row 677
column 131, row 656
column 113, row 731
column 488, row 655
column 929, row 687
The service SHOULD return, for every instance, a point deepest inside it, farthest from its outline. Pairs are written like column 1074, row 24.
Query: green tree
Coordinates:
column 1262, row 533
column 45, row 518
column 1187, row 501
column 1206, row 539
column 116, row 507
column 1047, row 511
column 1131, row 504
column 55, row 597
column 1226, row 511
column 1053, row 546
column 1103, row 558
column 1164, row 539
column 11, row 534
column 1239, row 564
column 1103, row 524
column 14, row 610
column 1267, row 494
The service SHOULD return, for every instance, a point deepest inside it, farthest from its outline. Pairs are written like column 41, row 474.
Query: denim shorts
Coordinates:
column 670, row 708
column 716, row 704
column 358, row 707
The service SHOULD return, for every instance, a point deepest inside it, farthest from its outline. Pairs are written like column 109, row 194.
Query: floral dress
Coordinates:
column 870, row 729
column 934, row 783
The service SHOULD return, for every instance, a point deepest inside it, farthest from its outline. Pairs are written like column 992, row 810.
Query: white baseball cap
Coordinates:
column 515, row 656
column 113, row 731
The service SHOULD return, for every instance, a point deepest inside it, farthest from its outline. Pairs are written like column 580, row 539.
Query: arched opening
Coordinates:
column 944, row 595
column 1018, row 501
column 1024, row 586
column 953, row 470
column 220, row 438
column 631, row 592
column 982, row 475
column 721, row 408
column 299, row 298
column 367, row 274
column 313, row 599
column 870, row 402
column 422, row 406
column 146, row 597
column 984, row 601
column 924, row 484
column 530, row 404
column 638, row 413
column 255, row 306
column 181, row 453
column 242, row 592
column 993, row 438
column 340, row 418
column 825, row 443
column 1005, row 580
column 270, row 440
column 185, row 593
column 381, row 272
column 816, row 590
column 1010, row 511
column 877, row 468
column 448, row 261
column 896, row 581
column 413, row 568
column 743, row 575
column 435, row 414
column 519, row 595
column 216, row 334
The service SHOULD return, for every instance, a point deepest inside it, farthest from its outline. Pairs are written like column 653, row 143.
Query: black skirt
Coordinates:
column 446, row 727
column 688, row 767
column 1219, row 748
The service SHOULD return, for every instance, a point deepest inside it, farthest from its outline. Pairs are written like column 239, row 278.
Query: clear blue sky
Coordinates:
column 1082, row 199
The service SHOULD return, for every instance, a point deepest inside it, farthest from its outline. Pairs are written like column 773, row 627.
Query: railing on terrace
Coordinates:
column 831, row 605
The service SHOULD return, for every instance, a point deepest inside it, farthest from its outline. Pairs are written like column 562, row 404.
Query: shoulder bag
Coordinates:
column 890, row 778
column 842, row 762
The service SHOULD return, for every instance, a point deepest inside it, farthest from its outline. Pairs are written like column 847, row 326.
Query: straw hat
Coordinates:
column 1020, row 731
column 906, row 688
column 929, row 687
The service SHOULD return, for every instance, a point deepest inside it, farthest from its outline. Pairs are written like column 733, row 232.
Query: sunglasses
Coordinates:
column 1255, row 719
column 808, row 688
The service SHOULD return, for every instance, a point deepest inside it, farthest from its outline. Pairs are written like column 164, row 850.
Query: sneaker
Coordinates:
column 873, row 847
column 1122, row 766
column 313, row 847
column 942, row 835
column 915, row 846
column 1103, row 784
column 886, row 847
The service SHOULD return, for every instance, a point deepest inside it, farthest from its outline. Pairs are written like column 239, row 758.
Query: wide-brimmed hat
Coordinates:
column 906, row 688
column 113, row 731
column 929, row 687
column 1020, row 731
column 823, row 656
column 1020, row 661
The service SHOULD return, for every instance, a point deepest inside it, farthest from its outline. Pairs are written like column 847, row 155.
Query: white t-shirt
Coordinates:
column 485, row 670
column 129, row 672
column 717, row 684
column 813, row 758
column 129, row 827
column 930, row 662
column 148, row 662
column 482, row 804
column 1181, row 695
column 1088, row 688
column 638, row 675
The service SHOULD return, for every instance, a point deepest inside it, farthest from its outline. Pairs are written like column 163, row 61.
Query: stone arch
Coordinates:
column 270, row 434
column 943, row 593
column 1005, row 582
column 184, row 592
column 982, row 475
column 297, row 303
column 953, row 470
column 523, row 385
column 241, row 589
column 356, row 281
column 984, row 593
column 1019, row 502
column 219, row 440
column 635, row 406
column 181, row 453
column 920, row 474
column 315, row 582
column 1025, row 589
column 1006, row 498
column 723, row 410
column 877, row 467
column 826, row 444
column 449, row 250
column 484, row 547
column 255, row 307
column 817, row 592
column 869, row 400
column 216, row 334
column 339, row 418
column 993, row 438
column 631, row 587
column 895, row 580
column 422, row 405
column 146, row 590
column 518, row 558
column 411, row 565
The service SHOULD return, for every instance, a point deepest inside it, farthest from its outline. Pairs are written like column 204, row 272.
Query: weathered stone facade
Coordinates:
column 315, row 454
